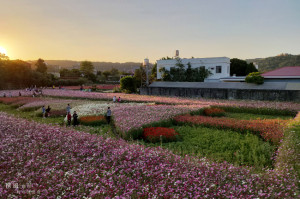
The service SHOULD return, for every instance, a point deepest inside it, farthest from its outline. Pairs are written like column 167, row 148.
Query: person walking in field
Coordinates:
column 68, row 108
column 75, row 119
column 114, row 99
column 108, row 115
column 119, row 99
column 69, row 117
column 43, row 111
column 48, row 111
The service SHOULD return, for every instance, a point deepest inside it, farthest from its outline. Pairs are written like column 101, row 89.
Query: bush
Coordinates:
column 93, row 120
column 214, row 112
column 255, row 77
column 157, row 134
column 128, row 84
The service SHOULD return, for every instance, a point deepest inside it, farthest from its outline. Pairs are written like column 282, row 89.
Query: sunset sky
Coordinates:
column 131, row 30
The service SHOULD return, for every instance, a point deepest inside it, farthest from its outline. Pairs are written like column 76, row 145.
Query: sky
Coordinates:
column 131, row 30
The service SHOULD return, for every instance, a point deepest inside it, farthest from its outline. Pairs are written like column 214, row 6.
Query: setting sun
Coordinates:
column 2, row 50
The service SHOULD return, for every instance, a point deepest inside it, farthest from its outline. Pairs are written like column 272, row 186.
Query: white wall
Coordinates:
column 209, row 63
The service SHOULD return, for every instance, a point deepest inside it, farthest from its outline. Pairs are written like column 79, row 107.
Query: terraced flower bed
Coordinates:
column 47, row 161
column 269, row 130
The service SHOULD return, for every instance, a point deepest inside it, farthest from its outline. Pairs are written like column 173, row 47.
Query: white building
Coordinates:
column 218, row 66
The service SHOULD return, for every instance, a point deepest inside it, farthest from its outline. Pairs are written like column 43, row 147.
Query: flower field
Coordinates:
column 93, row 120
column 157, row 134
column 134, row 117
column 269, row 130
column 128, row 116
column 158, row 99
column 44, row 161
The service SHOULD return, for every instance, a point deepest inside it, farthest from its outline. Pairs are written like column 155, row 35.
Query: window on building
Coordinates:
column 218, row 69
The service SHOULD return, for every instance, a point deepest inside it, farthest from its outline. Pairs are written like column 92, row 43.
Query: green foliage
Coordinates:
column 182, row 74
column 69, row 73
column 18, row 74
column 198, row 112
column 153, row 73
column 271, row 63
column 261, row 111
column 222, row 145
column 140, row 76
column 128, row 84
column 240, row 67
column 106, row 74
column 114, row 72
column 87, row 69
column 71, row 82
column 166, row 58
column 255, row 77
column 41, row 66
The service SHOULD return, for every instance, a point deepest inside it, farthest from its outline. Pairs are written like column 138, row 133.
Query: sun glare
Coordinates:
column 2, row 50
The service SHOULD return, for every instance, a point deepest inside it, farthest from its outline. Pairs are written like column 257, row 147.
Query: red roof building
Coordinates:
column 286, row 74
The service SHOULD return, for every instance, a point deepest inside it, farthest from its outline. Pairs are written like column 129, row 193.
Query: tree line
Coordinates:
column 18, row 74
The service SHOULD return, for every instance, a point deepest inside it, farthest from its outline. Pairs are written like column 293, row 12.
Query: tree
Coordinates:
column 86, row 67
column 153, row 75
column 251, row 68
column 106, row 74
column 139, row 76
column 114, row 72
column 255, row 77
column 75, row 72
column 128, row 84
column 240, row 67
column 64, row 72
column 41, row 66
column 166, row 58
column 189, row 73
column 182, row 74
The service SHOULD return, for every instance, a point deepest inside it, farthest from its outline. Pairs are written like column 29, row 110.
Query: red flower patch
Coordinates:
column 157, row 134
column 93, row 120
column 214, row 112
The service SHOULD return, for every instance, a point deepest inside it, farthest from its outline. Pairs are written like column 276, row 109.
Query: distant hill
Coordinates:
column 271, row 63
column 99, row 66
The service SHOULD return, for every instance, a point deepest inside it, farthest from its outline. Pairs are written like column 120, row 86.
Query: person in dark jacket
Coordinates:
column 48, row 111
column 75, row 119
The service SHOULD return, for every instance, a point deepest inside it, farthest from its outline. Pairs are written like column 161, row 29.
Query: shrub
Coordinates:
column 157, row 134
column 255, row 77
column 93, row 120
column 214, row 112
column 128, row 84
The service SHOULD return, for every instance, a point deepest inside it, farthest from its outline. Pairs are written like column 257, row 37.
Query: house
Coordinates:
column 284, row 74
column 218, row 66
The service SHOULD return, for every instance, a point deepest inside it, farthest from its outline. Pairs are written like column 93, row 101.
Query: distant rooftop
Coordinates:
column 284, row 71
